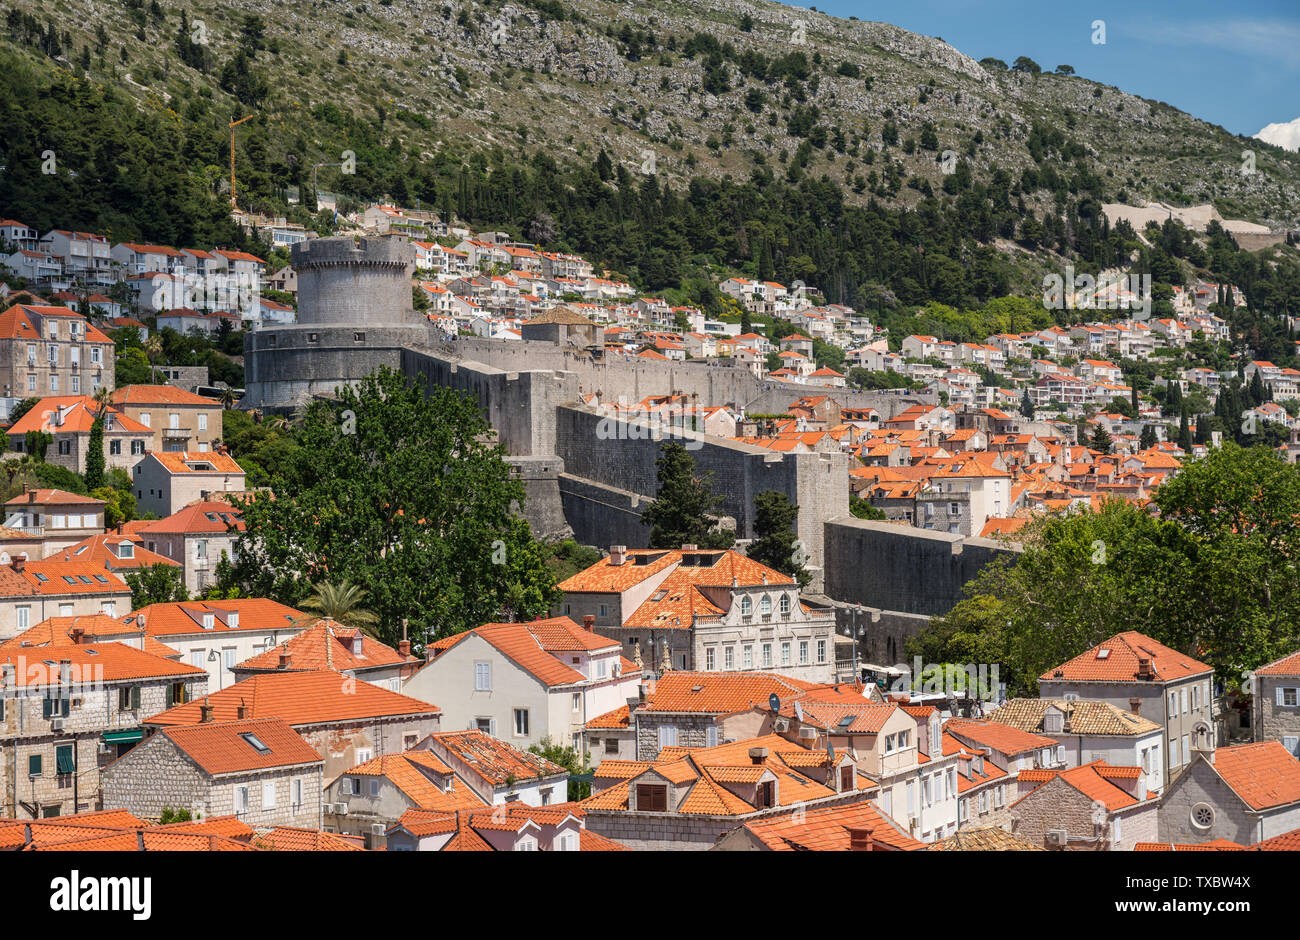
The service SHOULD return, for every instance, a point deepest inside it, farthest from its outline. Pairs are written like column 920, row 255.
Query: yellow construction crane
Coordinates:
column 233, row 125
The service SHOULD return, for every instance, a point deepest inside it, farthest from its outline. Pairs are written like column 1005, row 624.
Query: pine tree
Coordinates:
column 684, row 504
column 1100, row 439
column 776, row 544
column 1148, row 438
column 1026, row 406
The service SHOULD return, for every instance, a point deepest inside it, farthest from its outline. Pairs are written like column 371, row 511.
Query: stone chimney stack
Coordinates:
column 617, row 554
column 205, row 713
column 589, row 623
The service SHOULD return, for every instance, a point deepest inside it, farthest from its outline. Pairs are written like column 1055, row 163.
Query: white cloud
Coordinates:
column 1286, row 136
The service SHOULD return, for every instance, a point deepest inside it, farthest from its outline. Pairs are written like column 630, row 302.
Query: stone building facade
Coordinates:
column 1057, row 806
column 1221, row 796
column 68, row 712
column 161, row 774
column 1275, row 709
column 52, row 351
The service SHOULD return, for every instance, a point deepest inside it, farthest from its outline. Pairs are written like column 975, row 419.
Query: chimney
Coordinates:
column 589, row 623
column 1135, row 706
column 241, row 711
column 205, row 713
column 617, row 554
column 690, row 548
column 139, row 840
column 860, row 840
column 286, row 659
column 356, row 644
column 1145, row 669
column 75, row 635
column 18, row 563
column 140, row 621
column 757, row 755
column 31, row 495
column 404, row 647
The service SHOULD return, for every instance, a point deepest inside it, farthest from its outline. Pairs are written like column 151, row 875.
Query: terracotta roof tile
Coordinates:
column 829, row 830
column 325, row 645
column 1120, row 663
column 91, row 662
column 300, row 698
column 1263, row 774
column 228, row 747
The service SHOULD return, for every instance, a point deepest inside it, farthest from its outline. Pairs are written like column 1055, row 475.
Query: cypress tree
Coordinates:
column 1184, row 433
column 95, row 455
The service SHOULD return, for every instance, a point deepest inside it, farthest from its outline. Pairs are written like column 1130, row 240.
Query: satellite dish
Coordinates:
column 774, row 702
column 798, row 711
column 830, row 748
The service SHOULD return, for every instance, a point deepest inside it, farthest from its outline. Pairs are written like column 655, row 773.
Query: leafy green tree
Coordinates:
column 862, row 509
column 413, row 502
column 1025, row 64
column 1148, row 437
column 156, row 584
column 1026, row 406
column 1210, row 576
column 20, row 409
column 685, row 505
column 570, row 760
column 776, row 543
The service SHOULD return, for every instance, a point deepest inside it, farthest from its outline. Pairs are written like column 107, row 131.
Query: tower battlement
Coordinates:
column 354, row 281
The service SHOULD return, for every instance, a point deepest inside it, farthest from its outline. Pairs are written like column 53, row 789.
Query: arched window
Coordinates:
column 746, row 605
column 765, row 604
column 785, row 605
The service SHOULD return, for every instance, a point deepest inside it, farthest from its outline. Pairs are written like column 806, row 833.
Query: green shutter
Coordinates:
column 34, row 765
column 65, row 759
column 135, row 696
column 47, row 707
column 66, row 706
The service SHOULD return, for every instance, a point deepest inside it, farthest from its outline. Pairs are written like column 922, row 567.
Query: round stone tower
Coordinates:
column 354, row 281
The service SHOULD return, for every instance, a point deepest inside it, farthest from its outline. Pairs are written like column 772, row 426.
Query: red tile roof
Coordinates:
column 90, row 663
column 1000, row 737
column 1286, row 666
column 1116, row 660
column 326, row 645
column 292, row 839
column 176, row 618
column 159, row 395
column 1263, row 774
column 829, row 830
column 492, row 759
column 181, row 461
column 718, row 693
column 222, row 748
column 300, row 698
column 211, row 516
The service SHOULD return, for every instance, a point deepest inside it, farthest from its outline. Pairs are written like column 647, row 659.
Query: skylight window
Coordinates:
column 659, row 595
column 847, row 720
column 84, row 580
column 1103, row 653
column 101, row 579
column 255, row 742
column 70, row 579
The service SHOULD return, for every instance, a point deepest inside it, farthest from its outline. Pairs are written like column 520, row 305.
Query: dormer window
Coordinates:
column 232, row 620
column 126, row 550
column 208, row 621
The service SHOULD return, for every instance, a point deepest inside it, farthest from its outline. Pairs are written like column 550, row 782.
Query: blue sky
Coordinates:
column 1234, row 64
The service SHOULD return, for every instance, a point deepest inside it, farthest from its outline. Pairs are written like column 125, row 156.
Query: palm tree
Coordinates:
column 103, row 398
column 341, row 602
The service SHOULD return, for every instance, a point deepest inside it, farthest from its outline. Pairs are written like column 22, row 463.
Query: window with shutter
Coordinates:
column 34, row 765
column 65, row 760
column 651, row 798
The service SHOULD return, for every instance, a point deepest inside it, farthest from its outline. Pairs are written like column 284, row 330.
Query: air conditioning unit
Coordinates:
column 103, row 747
column 377, row 828
column 807, row 734
column 340, row 809
column 781, row 725
column 56, row 724
column 327, row 807
column 1058, row 837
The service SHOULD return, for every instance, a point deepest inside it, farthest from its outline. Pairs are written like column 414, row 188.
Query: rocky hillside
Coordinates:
column 682, row 87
